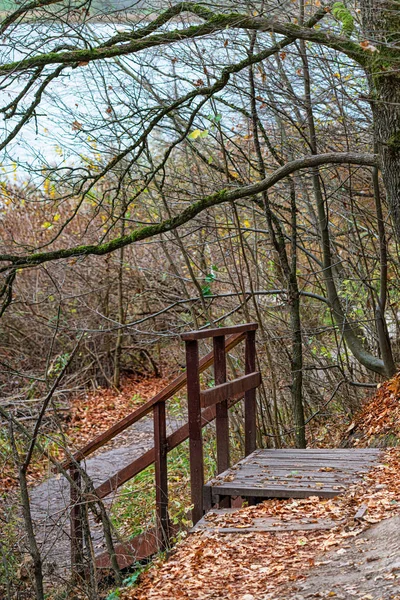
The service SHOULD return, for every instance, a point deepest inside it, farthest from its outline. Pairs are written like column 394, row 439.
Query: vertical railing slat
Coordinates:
column 161, row 474
column 195, row 434
column 250, row 409
column 222, row 415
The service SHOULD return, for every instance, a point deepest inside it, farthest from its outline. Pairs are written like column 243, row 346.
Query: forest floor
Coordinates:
column 89, row 415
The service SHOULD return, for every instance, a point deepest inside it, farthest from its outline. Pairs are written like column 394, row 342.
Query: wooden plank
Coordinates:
column 318, row 451
column 213, row 522
column 277, row 492
column 314, row 466
column 218, row 331
column 161, row 474
column 138, row 548
column 195, row 435
column 221, row 392
column 222, row 488
column 326, row 463
column 312, row 456
column 264, row 477
column 290, row 465
column 361, row 512
column 222, row 415
column 285, row 475
column 250, row 406
column 280, row 482
column 312, row 452
column 169, row 391
column 316, row 460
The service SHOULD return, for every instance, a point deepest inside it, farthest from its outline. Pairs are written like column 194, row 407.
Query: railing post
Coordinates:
column 222, row 415
column 250, row 408
column 161, row 474
column 195, row 436
column 76, row 523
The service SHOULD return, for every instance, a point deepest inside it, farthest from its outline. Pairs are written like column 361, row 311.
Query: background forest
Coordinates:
column 169, row 168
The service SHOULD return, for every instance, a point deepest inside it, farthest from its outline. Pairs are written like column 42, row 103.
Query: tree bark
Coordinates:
column 381, row 23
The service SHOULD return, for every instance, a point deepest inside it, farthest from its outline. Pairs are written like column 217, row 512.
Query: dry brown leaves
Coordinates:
column 99, row 410
column 253, row 566
column 380, row 416
column 89, row 416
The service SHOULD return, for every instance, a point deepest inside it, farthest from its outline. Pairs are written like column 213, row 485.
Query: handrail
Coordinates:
column 197, row 419
column 173, row 440
column 171, row 389
column 202, row 334
column 219, row 393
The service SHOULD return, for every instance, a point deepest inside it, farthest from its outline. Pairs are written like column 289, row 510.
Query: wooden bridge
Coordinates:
column 263, row 473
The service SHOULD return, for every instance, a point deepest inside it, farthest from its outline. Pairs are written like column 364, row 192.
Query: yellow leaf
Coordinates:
column 46, row 225
column 246, row 223
column 56, row 217
column 195, row 134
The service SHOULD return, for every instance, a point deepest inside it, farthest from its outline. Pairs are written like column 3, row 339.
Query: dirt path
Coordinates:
column 50, row 499
column 368, row 568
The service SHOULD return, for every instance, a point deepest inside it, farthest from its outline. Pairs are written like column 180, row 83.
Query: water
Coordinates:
column 90, row 113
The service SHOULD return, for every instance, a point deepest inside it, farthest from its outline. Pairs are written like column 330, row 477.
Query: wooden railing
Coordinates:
column 203, row 407
column 218, row 397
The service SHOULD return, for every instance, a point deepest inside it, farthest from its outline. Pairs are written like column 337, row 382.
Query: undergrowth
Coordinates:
column 133, row 511
column 10, row 552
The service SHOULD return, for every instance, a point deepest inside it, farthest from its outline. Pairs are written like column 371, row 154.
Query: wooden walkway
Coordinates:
column 262, row 474
column 291, row 473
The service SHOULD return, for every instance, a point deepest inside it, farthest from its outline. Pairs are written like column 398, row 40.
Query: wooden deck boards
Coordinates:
column 222, row 520
column 292, row 473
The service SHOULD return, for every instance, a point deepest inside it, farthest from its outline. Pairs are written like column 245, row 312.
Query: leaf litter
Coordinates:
column 378, row 423
column 89, row 416
column 101, row 409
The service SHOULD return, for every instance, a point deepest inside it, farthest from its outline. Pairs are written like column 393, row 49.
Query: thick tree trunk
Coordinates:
column 381, row 24
column 386, row 111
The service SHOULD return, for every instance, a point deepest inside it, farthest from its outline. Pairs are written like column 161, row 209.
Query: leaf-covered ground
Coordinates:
column 99, row 410
column 89, row 415
column 378, row 423
column 257, row 566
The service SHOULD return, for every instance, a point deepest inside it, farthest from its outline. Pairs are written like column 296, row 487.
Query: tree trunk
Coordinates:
column 120, row 332
column 381, row 24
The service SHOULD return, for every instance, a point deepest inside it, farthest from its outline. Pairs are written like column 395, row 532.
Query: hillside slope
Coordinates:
column 378, row 423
